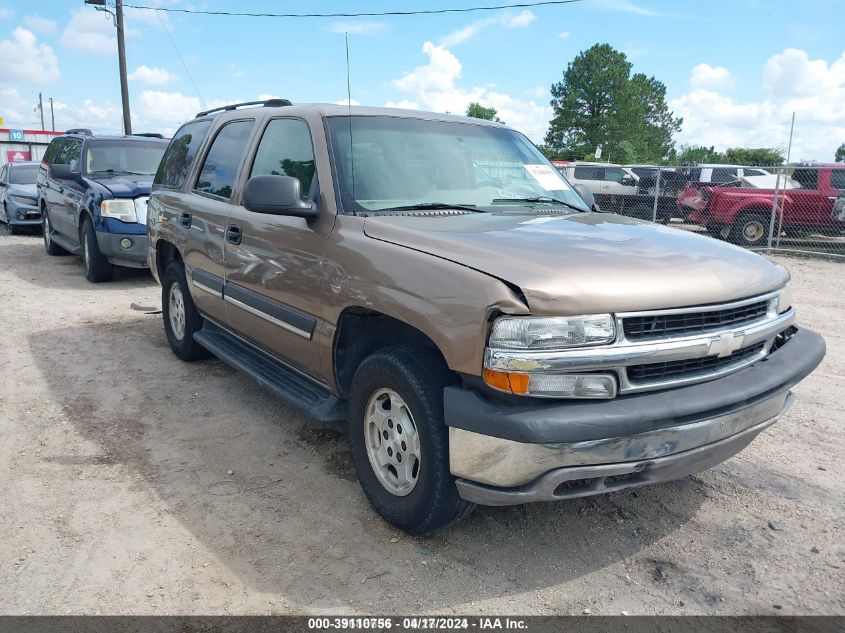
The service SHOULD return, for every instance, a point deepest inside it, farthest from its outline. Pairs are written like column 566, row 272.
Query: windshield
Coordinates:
column 403, row 162
column 135, row 158
column 23, row 174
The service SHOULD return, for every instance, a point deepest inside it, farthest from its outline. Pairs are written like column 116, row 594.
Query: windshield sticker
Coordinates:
column 546, row 177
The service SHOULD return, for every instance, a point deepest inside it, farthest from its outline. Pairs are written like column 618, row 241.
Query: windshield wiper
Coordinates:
column 431, row 205
column 549, row 199
column 120, row 171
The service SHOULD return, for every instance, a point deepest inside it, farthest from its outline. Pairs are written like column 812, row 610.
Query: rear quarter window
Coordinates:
column 174, row 166
column 837, row 179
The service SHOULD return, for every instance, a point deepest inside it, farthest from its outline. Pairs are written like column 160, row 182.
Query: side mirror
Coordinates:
column 586, row 195
column 628, row 181
column 277, row 195
column 63, row 172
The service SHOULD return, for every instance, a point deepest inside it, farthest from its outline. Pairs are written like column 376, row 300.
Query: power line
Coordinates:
column 520, row 5
column 178, row 54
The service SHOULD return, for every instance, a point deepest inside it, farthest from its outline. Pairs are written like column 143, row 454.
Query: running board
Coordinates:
column 285, row 383
column 71, row 247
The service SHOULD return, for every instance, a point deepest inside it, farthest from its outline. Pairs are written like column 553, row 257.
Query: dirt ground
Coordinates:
column 134, row 483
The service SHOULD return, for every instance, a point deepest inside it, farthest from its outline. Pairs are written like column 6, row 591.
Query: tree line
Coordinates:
column 600, row 104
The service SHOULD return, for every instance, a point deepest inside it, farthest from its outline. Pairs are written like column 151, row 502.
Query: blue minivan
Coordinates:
column 93, row 192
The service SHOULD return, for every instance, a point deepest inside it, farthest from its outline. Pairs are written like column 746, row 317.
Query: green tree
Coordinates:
column 762, row 156
column 754, row 156
column 478, row 111
column 840, row 153
column 599, row 102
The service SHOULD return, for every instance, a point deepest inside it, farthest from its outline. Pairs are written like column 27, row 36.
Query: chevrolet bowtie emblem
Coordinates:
column 725, row 344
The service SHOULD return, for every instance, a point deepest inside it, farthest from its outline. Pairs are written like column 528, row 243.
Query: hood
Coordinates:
column 127, row 186
column 30, row 190
column 588, row 263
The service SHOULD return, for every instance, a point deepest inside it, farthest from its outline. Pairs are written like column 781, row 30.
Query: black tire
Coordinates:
column 750, row 230
column 50, row 246
column 14, row 229
column 97, row 266
column 418, row 375
column 185, row 347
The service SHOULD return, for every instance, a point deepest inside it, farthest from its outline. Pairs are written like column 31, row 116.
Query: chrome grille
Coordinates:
column 691, row 367
column 638, row 328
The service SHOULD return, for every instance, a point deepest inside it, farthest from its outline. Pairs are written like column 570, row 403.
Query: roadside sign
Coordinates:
column 15, row 136
column 17, row 156
column 2, row 121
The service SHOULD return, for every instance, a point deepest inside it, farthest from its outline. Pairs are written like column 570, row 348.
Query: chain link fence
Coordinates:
column 798, row 208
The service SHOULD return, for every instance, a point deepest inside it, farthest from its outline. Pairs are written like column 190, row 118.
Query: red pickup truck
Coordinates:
column 742, row 214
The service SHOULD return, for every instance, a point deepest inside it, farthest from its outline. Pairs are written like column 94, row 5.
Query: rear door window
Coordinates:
column 724, row 175
column 588, row 172
column 614, row 174
column 52, row 149
column 807, row 178
column 176, row 162
column 220, row 168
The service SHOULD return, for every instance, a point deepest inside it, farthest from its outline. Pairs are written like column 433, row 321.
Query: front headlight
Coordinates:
column 120, row 209
column 785, row 299
column 24, row 200
column 545, row 333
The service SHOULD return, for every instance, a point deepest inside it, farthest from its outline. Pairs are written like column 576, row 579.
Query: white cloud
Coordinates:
column 154, row 76
column 236, row 72
column 90, row 31
column 706, row 76
column 624, row 6
column 434, row 86
column 538, row 92
column 358, row 28
column 40, row 25
column 347, row 101
column 404, row 104
column 813, row 89
column 24, row 60
column 6, row 13
column 564, row 34
column 507, row 20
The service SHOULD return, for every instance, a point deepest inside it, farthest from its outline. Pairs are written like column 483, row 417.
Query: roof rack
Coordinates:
column 269, row 103
column 148, row 134
column 80, row 130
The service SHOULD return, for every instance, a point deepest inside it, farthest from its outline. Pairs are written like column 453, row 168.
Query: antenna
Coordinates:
column 349, row 117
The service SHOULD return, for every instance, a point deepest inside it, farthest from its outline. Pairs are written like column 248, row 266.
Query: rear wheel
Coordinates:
column 181, row 318
column 750, row 230
column 399, row 441
column 97, row 266
column 47, row 231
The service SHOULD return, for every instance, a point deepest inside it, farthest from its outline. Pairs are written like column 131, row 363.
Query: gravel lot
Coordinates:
column 133, row 483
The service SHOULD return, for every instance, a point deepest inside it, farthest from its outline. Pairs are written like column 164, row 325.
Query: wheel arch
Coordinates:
column 361, row 331
column 165, row 252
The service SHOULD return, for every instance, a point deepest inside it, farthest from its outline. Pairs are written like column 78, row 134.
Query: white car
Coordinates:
column 601, row 178
column 720, row 173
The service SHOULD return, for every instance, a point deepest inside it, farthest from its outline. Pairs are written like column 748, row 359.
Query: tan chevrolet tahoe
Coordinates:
column 487, row 334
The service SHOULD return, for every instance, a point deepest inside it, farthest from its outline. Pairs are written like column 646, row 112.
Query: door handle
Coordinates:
column 185, row 220
column 233, row 234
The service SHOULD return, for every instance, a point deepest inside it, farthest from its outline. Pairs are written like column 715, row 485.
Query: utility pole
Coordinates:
column 121, row 59
column 41, row 109
column 52, row 116
column 117, row 17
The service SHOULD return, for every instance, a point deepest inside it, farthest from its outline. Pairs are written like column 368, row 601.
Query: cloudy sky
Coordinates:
column 734, row 69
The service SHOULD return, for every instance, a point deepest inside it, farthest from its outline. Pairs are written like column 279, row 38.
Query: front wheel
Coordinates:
column 399, row 441
column 97, row 266
column 750, row 230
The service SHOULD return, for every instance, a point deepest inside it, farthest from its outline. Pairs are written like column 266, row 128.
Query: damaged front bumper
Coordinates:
column 506, row 455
